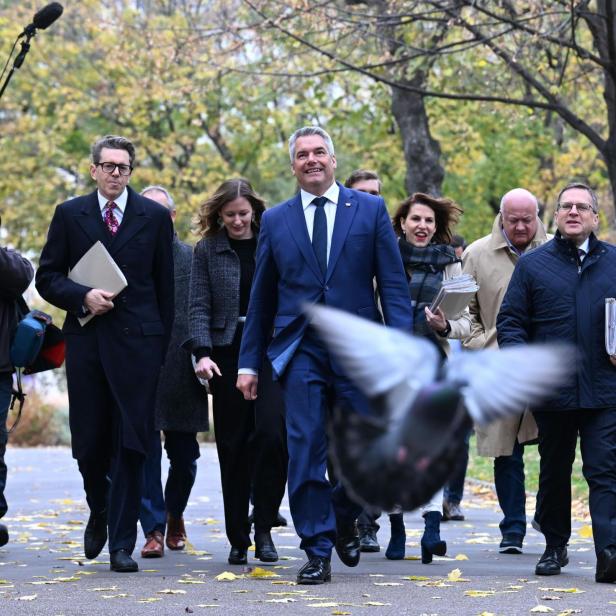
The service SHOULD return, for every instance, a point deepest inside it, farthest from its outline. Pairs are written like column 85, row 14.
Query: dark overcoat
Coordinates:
column 181, row 401
column 113, row 362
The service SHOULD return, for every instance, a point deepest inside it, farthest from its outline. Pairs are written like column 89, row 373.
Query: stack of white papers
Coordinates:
column 610, row 325
column 98, row 270
column 454, row 295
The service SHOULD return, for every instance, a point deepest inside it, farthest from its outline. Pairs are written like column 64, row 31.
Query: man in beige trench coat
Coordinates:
column 491, row 261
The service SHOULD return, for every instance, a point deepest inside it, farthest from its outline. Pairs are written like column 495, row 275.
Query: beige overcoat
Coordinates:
column 491, row 262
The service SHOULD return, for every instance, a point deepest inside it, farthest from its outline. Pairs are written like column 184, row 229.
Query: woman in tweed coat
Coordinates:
column 250, row 436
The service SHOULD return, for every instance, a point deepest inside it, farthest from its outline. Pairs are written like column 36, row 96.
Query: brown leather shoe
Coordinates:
column 176, row 533
column 154, row 545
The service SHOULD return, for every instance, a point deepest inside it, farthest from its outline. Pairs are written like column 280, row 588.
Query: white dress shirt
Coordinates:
column 118, row 211
column 331, row 194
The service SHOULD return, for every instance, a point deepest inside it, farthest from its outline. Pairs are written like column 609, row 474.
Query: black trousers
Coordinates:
column 251, row 445
column 558, row 432
column 113, row 480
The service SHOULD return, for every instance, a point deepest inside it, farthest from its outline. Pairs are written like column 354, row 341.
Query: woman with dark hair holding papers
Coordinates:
column 424, row 226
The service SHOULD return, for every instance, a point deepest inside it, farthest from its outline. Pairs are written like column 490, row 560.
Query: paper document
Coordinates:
column 610, row 325
column 454, row 295
column 98, row 270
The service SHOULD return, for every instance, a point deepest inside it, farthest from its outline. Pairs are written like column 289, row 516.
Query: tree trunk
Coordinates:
column 424, row 172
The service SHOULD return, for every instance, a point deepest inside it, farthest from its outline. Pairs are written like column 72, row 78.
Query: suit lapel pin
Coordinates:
column 347, row 204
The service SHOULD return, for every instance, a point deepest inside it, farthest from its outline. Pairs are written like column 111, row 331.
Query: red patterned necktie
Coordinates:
column 110, row 220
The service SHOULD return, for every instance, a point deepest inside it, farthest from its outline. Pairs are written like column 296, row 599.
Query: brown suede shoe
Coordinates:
column 176, row 533
column 154, row 545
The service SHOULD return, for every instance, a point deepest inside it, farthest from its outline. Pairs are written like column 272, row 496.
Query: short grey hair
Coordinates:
column 508, row 193
column 581, row 185
column 112, row 142
column 306, row 131
column 163, row 190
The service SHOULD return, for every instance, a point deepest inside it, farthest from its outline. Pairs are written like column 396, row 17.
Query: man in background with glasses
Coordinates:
column 113, row 361
column 557, row 294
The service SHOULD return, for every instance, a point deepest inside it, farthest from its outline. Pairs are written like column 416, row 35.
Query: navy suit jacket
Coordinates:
column 287, row 276
column 129, row 341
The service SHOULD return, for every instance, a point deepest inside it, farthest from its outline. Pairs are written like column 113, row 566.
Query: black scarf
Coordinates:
column 424, row 269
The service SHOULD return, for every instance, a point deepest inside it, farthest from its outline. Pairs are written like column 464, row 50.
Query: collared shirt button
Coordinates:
column 126, row 330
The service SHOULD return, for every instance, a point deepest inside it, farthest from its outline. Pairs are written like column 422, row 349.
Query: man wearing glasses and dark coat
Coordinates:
column 113, row 361
column 557, row 294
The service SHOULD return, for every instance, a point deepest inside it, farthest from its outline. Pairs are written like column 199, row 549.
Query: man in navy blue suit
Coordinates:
column 325, row 245
column 113, row 361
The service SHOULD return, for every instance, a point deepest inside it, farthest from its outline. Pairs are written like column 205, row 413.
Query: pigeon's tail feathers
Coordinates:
column 502, row 383
column 376, row 358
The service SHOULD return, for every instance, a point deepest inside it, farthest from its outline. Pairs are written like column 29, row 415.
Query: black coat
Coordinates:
column 181, row 401
column 551, row 299
column 129, row 341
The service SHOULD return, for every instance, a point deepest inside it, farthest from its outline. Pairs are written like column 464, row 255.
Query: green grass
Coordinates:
column 483, row 468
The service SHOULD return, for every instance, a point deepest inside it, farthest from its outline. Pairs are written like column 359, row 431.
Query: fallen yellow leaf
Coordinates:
column 480, row 594
column 375, row 603
column 541, row 609
column 585, row 531
column 259, row 572
column 461, row 557
column 388, row 583
column 28, row 598
column 416, row 578
column 226, row 576
column 572, row 591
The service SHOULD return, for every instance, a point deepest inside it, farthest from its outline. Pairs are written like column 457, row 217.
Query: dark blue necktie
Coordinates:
column 319, row 233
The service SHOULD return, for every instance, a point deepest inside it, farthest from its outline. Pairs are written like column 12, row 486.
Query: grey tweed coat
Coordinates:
column 181, row 401
column 214, row 293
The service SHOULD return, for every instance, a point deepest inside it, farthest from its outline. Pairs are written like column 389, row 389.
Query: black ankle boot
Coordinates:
column 395, row 549
column 431, row 542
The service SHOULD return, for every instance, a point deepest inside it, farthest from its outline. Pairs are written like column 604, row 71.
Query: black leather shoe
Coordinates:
column 316, row 571
column 511, row 544
column 368, row 541
column 95, row 535
column 265, row 550
column 122, row 562
column 606, row 565
column 4, row 535
column 553, row 559
column 237, row 556
column 347, row 545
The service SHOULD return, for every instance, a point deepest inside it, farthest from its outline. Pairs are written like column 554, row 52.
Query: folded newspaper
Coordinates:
column 610, row 325
column 454, row 295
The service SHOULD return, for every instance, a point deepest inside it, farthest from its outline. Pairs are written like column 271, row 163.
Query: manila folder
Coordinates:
column 96, row 269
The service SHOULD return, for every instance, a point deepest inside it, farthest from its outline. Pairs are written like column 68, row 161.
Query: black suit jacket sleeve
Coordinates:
column 52, row 280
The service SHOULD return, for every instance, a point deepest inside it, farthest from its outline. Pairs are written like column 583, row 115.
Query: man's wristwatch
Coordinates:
column 445, row 332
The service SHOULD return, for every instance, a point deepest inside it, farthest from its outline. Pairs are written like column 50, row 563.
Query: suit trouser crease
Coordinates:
column 310, row 385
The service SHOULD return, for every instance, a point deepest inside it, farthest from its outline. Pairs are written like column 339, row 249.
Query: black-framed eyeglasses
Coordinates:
column 580, row 207
column 111, row 167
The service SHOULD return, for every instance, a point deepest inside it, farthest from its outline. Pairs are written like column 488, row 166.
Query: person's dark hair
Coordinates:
column 207, row 221
column 446, row 215
column 113, row 142
column 359, row 175
column 457, row 241
column 588, row 189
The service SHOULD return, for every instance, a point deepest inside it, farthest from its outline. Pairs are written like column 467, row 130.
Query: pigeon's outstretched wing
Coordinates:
column 376, row 358
column 500, row 383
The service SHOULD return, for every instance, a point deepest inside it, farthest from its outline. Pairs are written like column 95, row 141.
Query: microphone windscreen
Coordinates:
column 47, row 15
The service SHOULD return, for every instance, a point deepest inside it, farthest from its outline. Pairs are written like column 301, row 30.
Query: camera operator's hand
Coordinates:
column 98, row 301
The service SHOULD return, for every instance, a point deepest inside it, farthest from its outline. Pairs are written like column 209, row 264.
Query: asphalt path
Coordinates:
column 43, row 570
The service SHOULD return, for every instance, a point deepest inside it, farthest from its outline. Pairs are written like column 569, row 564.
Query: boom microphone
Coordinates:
column 47, row 15
column 43, row 18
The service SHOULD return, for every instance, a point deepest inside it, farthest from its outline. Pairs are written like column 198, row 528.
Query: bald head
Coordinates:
column 519, row 209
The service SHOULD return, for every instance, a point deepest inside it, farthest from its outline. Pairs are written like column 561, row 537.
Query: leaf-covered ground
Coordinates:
column 43, row 571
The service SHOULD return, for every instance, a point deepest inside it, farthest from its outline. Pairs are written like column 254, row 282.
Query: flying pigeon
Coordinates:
column 404, row 452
